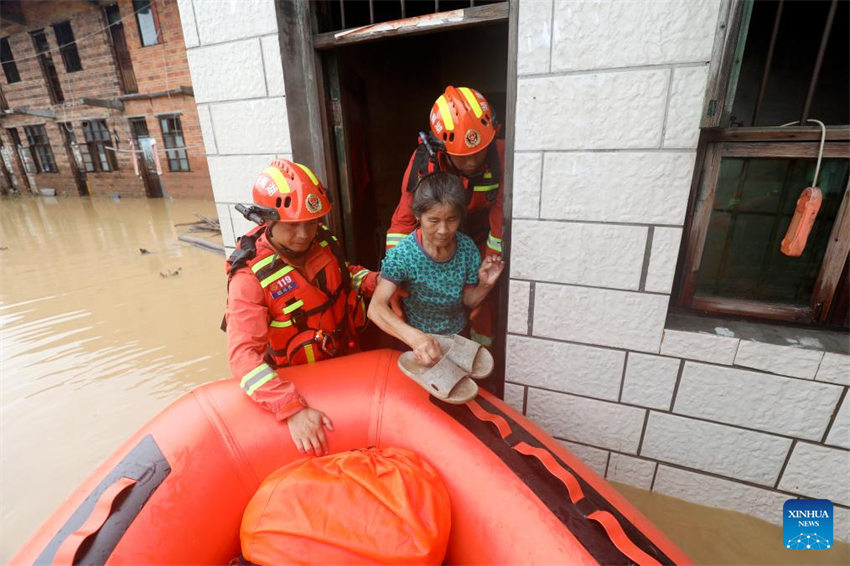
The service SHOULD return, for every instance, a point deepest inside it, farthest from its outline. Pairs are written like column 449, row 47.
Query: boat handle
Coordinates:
column 621, row 540
column 102, row 510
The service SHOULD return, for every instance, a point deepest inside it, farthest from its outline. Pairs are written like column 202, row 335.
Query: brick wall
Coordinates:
column 157, row 68
column 608, row 111
column 234, row 58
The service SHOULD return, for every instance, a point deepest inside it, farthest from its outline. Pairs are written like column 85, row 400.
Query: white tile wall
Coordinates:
column 230, row 71
column 526, row 188
column 226, row 20
column 630, row 470
column 687, row 92
column 662, row 262
column 599, row 316
column 630, row 115
column 622, row 186
column 600, row 423
column 784, row 360
column 771, row 403
column 739, row 454
column 598, row 35
column 595, row 458
column 584, row 370
column 518, row 306
column 839, row 433
column 699, row 346
column 834, row 368
column 650, row 380
column 535, row 36
column 818, row 471
column 265, row 119
column 600, row 255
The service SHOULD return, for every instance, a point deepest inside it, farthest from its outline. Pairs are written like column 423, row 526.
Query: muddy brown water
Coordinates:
column 96, row 337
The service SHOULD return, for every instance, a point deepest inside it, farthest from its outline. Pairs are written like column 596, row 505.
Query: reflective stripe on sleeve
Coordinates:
column 275, row 276
column 480, row 338
column 494, row 243
column 280, row 323
column 357, row 279
column 485, row 188
column 256, row 378
column 394, row 238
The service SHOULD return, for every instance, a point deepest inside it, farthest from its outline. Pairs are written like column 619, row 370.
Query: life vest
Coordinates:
column 308, row 320
column 484, row 187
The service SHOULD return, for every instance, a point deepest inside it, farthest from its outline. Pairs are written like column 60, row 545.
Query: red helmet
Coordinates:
column 293, row 190
column 463, row 120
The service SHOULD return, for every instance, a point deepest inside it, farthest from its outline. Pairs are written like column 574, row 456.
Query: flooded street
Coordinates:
column 96, row 337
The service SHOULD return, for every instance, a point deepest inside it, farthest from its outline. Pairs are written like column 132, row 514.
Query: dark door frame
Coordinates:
column 309, row 121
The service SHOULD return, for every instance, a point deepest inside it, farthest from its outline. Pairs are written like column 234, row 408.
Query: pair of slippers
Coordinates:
column 451, row 378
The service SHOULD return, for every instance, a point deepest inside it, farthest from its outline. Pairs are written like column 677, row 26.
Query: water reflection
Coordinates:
column 95, row 337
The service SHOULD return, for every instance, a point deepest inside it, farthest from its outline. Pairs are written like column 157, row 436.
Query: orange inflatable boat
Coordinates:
column 176, row 491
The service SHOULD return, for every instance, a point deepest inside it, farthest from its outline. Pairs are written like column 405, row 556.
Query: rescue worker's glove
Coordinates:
column 395, row 301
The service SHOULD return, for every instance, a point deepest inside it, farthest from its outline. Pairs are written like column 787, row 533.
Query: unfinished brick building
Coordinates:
column 88, row 88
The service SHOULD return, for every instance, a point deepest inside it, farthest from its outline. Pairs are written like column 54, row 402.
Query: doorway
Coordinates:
column 147, row 164
column 382, row 92
column 359, row 88
column 19, row 156
column 75, row 158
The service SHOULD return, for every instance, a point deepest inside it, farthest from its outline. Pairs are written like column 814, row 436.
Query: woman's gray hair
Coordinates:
column 438, row 188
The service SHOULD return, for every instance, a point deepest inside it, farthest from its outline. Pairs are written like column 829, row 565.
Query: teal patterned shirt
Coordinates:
column 435, row 303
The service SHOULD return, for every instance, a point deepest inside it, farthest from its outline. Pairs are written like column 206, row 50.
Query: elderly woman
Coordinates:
column 441, row 266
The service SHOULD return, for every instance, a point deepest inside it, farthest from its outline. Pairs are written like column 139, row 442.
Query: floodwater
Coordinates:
column 96, row 337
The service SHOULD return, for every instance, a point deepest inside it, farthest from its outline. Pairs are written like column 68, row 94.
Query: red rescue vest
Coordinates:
column 308, row 320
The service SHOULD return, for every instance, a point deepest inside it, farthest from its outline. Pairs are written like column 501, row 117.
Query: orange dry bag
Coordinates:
column 370, row 506
column 801, row 224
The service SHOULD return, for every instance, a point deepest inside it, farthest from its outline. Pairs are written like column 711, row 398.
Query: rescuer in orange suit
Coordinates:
column 462, row 141
column 292, row 298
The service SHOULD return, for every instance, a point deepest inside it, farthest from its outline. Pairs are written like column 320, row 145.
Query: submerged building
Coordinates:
column 96, row 98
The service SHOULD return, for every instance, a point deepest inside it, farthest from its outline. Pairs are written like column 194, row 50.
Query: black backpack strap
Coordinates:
column 422, row 165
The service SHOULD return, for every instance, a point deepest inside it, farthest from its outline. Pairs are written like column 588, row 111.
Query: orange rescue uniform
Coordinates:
column 279, row 315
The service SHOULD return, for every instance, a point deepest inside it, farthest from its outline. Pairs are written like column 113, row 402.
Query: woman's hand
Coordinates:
column 491, row 268
column 307, row 428
column 426, row 350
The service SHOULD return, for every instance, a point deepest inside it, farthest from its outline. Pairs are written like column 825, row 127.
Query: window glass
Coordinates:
column 96, row 155
column 172, row 136
column 10, row 69
column 40, row 148
column 148, row 24
column 67, row 46
column 754, row 202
